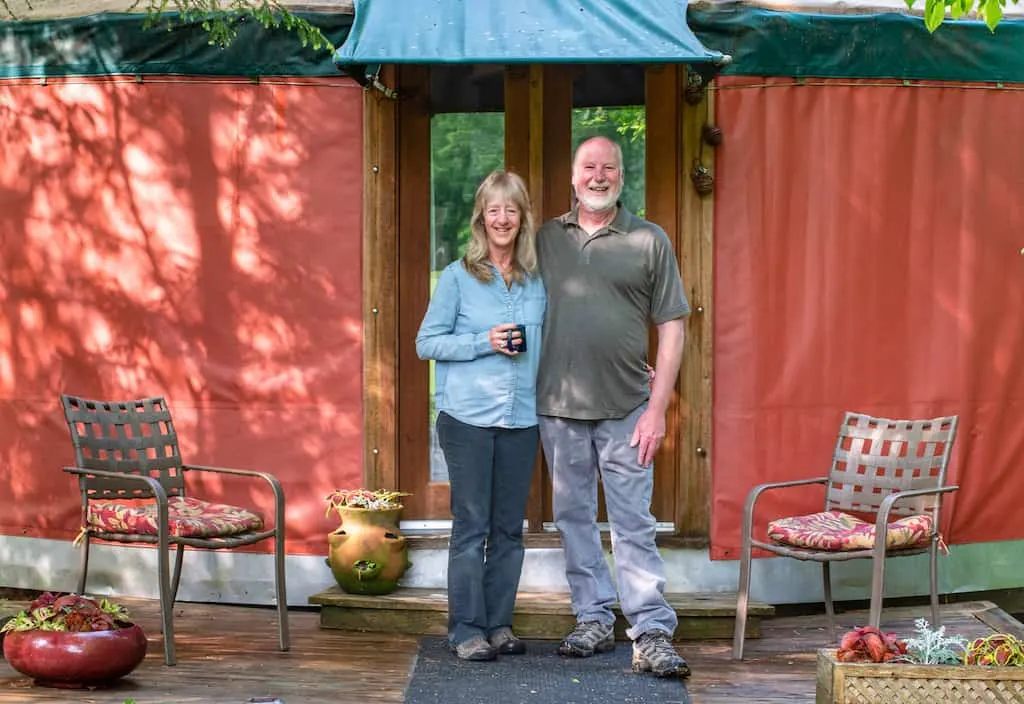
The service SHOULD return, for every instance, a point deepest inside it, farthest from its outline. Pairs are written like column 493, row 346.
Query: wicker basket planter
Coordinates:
column 870, row 683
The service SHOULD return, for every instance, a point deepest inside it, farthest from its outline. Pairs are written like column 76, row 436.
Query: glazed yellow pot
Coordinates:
column 368, row 554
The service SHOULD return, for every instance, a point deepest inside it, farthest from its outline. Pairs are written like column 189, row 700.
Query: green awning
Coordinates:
column 522, row 31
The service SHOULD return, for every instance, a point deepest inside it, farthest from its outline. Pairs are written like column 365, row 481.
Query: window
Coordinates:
column 464, row 148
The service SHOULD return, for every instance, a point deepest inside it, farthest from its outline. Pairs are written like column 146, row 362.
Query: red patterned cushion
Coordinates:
column 838, row 531
column 190, row 518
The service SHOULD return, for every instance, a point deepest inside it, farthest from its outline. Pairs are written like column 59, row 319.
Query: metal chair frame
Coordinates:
column 129, row 450
column 880, row 467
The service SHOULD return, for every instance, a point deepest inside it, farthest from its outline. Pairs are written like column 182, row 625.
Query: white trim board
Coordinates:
column 248, row 578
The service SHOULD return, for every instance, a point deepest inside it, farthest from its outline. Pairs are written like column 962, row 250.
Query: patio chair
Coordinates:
column 133, row 486
column 881, row 469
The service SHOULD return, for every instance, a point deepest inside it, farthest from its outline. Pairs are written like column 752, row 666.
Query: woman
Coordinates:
column 483, row 327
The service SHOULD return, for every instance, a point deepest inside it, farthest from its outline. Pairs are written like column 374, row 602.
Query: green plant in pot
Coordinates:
column 367, row 553
column 73, row 641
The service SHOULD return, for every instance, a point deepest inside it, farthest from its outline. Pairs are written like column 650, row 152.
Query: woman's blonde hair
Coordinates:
column 508, row 186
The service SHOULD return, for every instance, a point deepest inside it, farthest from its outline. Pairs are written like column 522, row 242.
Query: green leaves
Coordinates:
column 221, row 19
column 991, row 11
column 934, row 12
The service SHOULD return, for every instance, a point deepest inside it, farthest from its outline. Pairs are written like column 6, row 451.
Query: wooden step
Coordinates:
column 540, row 615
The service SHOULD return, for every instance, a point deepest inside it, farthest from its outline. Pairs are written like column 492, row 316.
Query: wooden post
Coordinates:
column 538, row 132
column 697, row 221
column 380, row 303
column 427, row 498
column 662, row 166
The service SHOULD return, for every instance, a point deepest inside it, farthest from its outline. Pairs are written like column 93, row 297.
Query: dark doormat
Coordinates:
column 541, row 676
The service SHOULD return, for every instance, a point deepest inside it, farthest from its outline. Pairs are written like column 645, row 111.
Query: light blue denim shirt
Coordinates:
column 473, row 383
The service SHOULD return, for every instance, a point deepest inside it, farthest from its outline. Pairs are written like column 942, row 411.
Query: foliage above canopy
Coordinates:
column 991, row 11
column 219, row 18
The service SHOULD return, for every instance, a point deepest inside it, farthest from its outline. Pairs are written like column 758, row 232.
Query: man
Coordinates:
column 607, row 274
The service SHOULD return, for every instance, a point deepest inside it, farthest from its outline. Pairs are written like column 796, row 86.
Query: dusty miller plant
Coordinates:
column 931, row 646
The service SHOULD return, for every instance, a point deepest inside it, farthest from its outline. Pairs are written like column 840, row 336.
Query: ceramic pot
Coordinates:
column 73, row 659
column 368, row 554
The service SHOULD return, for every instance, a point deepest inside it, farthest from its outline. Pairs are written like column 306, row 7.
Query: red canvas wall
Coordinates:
column 195, row 239
column 867, row 244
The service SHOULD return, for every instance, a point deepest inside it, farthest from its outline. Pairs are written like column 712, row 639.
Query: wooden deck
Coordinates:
column 538, row 615
column 228, row 655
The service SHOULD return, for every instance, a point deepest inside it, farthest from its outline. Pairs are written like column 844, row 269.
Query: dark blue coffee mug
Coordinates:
column 517, row 344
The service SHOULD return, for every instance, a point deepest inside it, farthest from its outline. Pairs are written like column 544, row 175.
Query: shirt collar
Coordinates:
column 619, row 224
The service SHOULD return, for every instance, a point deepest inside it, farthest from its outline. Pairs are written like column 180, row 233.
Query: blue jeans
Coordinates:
column 489, row 470
column 577, row 453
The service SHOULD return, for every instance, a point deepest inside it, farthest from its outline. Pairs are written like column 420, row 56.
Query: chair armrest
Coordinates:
column 756, row 492
column 882, row 519
column 156, row 487
column 275, row 484
column 162, row 512
column 270, row 478
column 748, row 508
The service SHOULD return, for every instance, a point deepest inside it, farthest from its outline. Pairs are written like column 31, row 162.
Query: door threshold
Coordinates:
column 551, row 540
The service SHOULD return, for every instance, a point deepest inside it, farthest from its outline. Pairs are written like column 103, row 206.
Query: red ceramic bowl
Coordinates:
column 72, row 659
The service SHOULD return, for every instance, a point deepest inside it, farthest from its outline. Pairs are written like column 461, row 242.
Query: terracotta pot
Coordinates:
column 75, row 659
column 368, row 554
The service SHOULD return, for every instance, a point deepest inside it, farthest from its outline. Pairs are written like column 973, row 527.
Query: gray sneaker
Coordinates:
column 505, row 642
column 587, row 638
column 653, row 652
column 476, row 648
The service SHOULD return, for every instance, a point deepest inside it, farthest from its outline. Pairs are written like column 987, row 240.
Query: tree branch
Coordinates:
column 221, row 19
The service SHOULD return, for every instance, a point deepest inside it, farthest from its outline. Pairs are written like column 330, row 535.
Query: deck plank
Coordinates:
column 228, row 654
column 538, row 615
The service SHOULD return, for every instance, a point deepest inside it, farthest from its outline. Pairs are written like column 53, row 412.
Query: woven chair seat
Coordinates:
column 188, row 518
column 837, row 531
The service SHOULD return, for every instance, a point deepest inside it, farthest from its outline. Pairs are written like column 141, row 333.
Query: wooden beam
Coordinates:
column 428, row 499
column 557, row 147
column 662, row 169
column 697, row 222
column 555, row 188
column 517, row 121
column 538, row 135
column 380, row 302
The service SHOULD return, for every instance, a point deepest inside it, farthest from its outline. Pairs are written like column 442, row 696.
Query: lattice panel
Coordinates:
column 875, row 457
column 129, row 437
column 875, row 690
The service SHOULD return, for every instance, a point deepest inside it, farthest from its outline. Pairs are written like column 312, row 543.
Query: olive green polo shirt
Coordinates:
column 603, row 290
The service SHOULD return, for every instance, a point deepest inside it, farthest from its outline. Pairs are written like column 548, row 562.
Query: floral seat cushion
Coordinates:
column 189, row 518
column 838, row 531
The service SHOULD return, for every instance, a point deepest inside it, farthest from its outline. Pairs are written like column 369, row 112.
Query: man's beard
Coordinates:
column 599, row 203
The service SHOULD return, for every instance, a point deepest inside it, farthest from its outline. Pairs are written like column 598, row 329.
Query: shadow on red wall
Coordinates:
column 866, row 259
column 193, row 239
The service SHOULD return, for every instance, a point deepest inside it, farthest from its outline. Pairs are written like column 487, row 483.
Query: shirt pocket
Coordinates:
column 535, row 303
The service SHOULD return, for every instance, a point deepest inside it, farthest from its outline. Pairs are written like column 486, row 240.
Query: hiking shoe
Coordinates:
column 476, row 648
column 505, row 642
column 587, row 638
column 653, row 652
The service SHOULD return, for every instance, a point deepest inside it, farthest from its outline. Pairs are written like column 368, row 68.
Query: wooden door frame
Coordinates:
column 675, row 127
column 687, row 217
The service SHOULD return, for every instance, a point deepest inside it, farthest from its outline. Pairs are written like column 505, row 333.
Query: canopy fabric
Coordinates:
column 764, row 42
column 119, row 44
column 526, row 31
